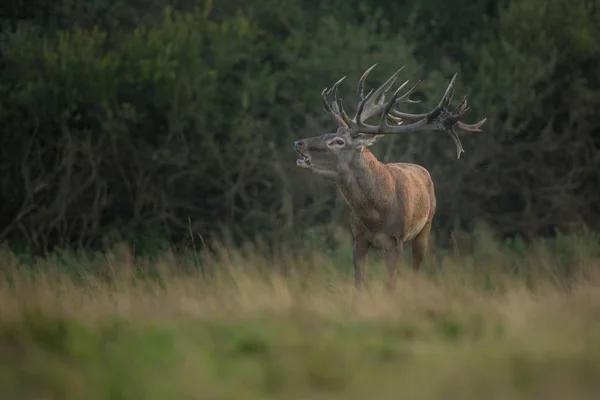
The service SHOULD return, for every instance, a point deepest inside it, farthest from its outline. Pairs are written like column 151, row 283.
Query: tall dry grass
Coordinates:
column 507, row 281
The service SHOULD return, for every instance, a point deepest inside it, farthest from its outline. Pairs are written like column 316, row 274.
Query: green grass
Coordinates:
column 495, row 322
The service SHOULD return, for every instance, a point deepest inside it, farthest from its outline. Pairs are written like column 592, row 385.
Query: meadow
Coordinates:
column 486, row 320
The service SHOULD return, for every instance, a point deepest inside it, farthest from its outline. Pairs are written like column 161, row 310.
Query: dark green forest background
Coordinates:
column 154, row 120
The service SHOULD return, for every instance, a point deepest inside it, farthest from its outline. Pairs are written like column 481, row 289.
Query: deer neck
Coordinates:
column 361, row 181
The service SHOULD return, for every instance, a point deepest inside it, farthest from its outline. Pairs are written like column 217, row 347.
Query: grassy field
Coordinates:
column 487, row 322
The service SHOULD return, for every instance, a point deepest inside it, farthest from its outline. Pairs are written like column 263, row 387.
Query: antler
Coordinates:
column 374, row 104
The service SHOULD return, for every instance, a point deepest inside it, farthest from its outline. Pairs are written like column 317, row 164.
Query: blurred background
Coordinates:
column 156, row 121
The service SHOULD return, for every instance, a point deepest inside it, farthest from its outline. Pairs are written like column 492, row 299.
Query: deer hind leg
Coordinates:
column 419, row 246
column 392, row 260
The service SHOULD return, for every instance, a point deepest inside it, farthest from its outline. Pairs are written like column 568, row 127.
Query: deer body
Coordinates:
column 391, row 203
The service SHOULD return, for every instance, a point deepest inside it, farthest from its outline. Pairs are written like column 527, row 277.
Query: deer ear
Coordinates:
column 366, row 140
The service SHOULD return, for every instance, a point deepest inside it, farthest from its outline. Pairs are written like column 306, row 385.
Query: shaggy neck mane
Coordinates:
column 363, row 182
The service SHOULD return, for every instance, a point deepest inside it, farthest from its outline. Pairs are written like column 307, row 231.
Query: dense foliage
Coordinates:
column 128, row 119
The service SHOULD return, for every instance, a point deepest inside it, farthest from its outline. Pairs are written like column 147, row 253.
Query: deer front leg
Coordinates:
column 392, row 261
column 360, row 254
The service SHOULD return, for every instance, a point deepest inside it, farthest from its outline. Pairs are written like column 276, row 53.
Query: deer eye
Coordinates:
column 338, row 142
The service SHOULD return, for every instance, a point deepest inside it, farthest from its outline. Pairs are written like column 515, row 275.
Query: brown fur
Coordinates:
column 391, row 204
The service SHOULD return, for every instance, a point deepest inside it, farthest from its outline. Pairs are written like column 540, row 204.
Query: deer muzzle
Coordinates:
column 303, row 160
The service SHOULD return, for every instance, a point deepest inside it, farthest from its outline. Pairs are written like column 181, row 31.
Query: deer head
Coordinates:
column 327, row 154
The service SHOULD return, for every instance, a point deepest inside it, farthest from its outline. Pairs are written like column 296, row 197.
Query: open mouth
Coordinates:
column 303, row 161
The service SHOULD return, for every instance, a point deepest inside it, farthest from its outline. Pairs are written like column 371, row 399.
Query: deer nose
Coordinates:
column 299, row 145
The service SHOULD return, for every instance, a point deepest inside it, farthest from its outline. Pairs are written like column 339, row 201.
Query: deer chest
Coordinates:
column 377, row 231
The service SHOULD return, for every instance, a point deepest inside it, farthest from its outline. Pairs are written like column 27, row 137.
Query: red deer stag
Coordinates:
column 391, row 203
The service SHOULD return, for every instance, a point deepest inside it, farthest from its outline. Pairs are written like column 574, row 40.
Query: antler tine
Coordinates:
column 476, row 127
column 334, row 91
column 337, row 101
column 447, row 97
column 456, row 140
column 361, row 82
column 324, row 104
column 336, row 108
column 361, row 106
column 462, row 107
column 394, row 119
column 405, row 97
